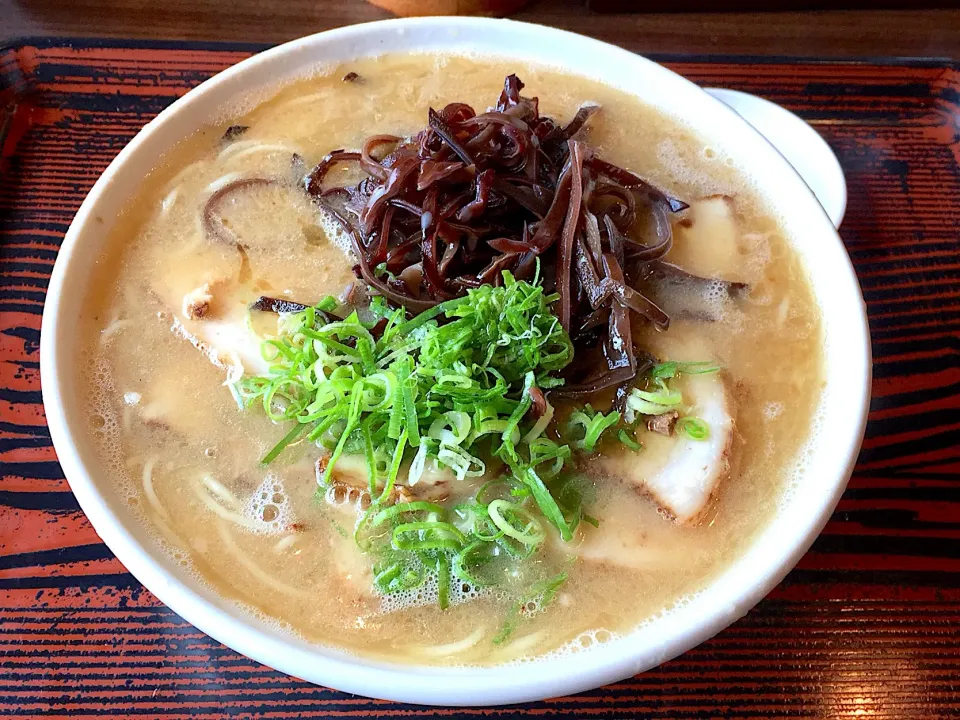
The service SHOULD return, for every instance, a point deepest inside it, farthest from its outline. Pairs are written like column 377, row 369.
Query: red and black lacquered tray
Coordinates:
column 867, row 625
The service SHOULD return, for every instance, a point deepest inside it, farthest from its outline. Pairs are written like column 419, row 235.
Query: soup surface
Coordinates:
column 188, row 459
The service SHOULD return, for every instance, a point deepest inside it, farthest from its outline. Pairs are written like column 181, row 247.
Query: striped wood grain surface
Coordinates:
column 868, row 625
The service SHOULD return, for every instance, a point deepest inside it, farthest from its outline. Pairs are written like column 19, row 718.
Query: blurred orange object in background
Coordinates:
column 451, row 7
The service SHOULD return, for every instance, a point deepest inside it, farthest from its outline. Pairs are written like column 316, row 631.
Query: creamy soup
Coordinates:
column 667, row 499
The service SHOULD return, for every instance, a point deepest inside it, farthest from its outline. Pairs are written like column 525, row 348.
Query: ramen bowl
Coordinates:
column 805, row 508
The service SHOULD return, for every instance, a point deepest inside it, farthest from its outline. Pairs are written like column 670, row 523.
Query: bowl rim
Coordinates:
column 414, row 683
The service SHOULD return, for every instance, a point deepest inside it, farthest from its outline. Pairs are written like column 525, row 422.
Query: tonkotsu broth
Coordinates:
column 164, row 418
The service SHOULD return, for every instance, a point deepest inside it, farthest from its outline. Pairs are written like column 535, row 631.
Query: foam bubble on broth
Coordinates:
column 586, row 641
column 772, row 410
column 428, row 594
column 336, row 234
column 103, row 418
column 681, row 171
column 268, row 507
column 684, row 172
column 717, row 298
column 796, row 470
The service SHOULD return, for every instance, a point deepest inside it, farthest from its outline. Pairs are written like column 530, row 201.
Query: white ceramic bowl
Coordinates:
column 775, row 551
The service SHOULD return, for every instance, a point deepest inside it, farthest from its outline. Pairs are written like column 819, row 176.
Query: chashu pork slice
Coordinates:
column 214, row 317
column 243, row 250
column 202, row 289
column 622, row 537
column 227, row 339
column 707, row 242
column 350, row 474
column 682, row 474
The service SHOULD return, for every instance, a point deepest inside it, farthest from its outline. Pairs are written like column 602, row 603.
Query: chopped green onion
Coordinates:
column 451, row 386
column 515, row 522
column 526, row 401
column 410, row 507
column 405, row 370
column 653, row 403
column 659, row 398
column 693, row 427
column 281, row 446
column 669, row 370
column 394, row 467
column 543, row 450
column 451, row 428
column 537, row 430
column 443, row 581
column 427, row 535
column 476, row 522
column 630, row 442
column 356, row 397
column 419, row 463
column 328, row 304
column 369, row 455
column 365, row 534
column 461, row 462
column 662, row 396
column 544, row 592
column 593, row 426
column 393, row 574
column 546, row 502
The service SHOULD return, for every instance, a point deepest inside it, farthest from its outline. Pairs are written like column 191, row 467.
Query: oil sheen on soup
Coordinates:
column 662, row 501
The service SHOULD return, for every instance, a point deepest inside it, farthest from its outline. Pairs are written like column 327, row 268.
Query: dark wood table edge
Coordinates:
column 85, row 42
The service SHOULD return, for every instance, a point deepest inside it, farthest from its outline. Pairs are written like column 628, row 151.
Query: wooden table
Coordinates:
column 868, row 625
column 904, row 33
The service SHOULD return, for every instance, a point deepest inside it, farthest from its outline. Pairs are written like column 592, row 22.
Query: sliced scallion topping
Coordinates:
column 427, row 535
column 454, row 381
column 629, row 441
column 451, row 388
column 393, row 511
column 668, row 370
column 395, row 573
column 516, row 522
column 443, row 581
column 659, row 396
column 591, row 425
column 693, row 427
column 287, row 439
